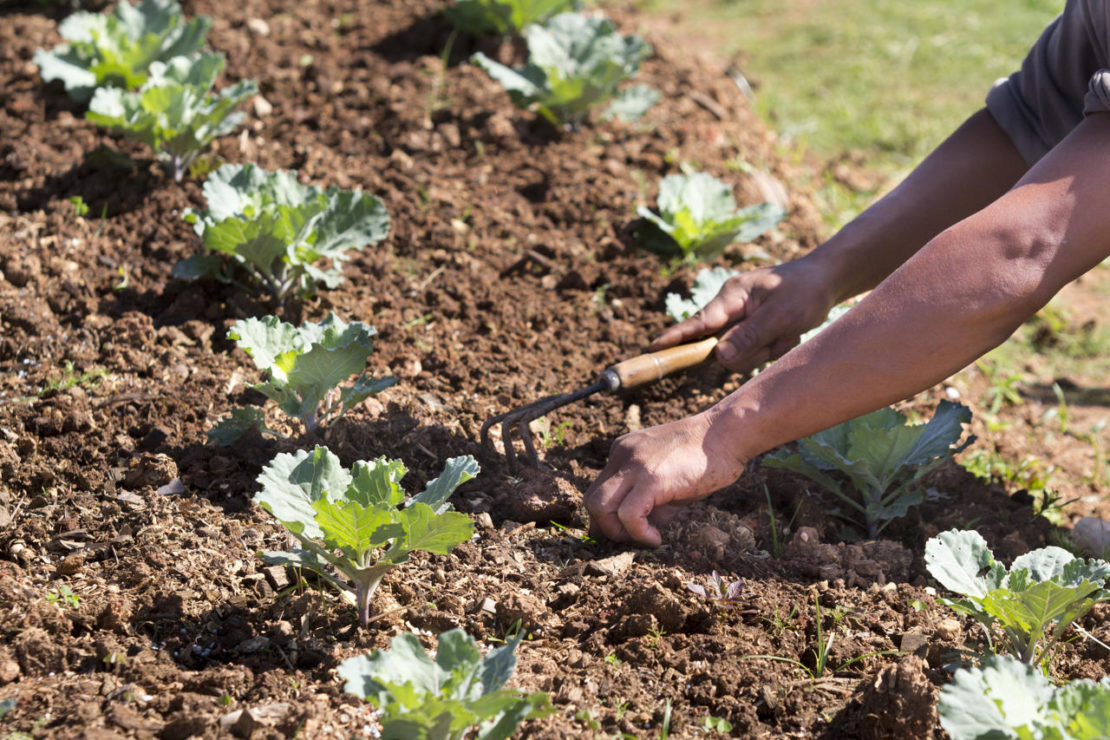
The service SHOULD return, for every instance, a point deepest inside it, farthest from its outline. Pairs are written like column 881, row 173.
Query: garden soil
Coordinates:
column 510, row 273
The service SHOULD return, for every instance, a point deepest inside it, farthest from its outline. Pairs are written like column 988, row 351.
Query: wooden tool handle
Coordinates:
column 654, row 365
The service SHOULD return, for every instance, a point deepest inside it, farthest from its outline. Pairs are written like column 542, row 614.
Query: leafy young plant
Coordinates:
column 279, row 231
column 344, row 518
column 574, row 63
column 174, row 112
column 118, row 50
column 442, row 699
column 1032, row 604
column 305, row 367
column 1010, row 699
column 503, row 17
column 882, row 456
column 698, row 218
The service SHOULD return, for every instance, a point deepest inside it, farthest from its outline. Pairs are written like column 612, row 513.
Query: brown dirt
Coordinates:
column 508, row 275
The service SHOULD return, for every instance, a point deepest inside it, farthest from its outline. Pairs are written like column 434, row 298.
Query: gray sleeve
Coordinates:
column 1065, row 76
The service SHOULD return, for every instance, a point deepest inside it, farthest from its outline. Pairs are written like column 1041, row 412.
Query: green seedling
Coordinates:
column 1031, row 604
column 442, row 699
column 1007, row 698
column 64, row 595
column 882, row 456
column 118, row 50
column 174, row 112
column 697, row 219
column 279, row 231
column 80, row 207
column 357, row 521
column 304, row 367
column 576, row 62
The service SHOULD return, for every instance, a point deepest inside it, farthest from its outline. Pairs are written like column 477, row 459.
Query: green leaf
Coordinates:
column 631, row 103
column 707, row 284
column 878, row 451
column 292, row 482
column 376, row 482
column 241, row 421
column 997, row 701
column 306, row 364
column 174, row 112
column 196, row 267
column 278, row 229
column 265, row 339
column 438, row 533
column 330, row 509
column 574, row 63
column 374, row 677
column 119, row 49
column 958, row 561
column 699, row 215
column 351, row 526
column 421, row 698
column 457, row 471
column 498, row 666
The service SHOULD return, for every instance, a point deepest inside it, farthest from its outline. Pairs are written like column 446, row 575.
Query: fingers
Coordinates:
column 729, row 305
column 633, row 512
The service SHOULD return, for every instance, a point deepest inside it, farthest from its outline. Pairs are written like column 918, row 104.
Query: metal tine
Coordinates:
column 521, row 417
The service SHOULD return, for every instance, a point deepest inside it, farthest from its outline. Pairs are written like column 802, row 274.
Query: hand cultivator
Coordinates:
column 635, row 371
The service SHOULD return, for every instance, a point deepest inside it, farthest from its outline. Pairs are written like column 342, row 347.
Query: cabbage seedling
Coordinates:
column 1010, row 699
column 883, row 457
column 305, row 367
column 1043, row 592
column 698, row 218
column 504, row 17
column 174, row 112
column 117, row 50
column 344, row 518
column 574, row 63
column 442, row 699
column 279, row 231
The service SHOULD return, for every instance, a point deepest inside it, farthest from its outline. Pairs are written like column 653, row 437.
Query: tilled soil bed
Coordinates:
column 509, row 274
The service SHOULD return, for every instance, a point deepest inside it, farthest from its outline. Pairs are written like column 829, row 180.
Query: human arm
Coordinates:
column 769, row 309
column 967, row 290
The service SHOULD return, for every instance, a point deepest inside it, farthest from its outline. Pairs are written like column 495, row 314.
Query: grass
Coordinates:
column 878, row 83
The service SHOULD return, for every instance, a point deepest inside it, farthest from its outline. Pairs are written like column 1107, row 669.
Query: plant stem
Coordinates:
column 366, row 588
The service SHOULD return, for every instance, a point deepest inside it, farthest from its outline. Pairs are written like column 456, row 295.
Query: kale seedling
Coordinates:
column 698, row 218
column 305, row 367
column 574, row 63
column 882, row 456
column 279, row 231
column 118, row 50
column 1010, row 699
column 724, row 593
column 174, row 112
column 1043, row 592
column 346, row 517
column 442, row 699
column 504, row 17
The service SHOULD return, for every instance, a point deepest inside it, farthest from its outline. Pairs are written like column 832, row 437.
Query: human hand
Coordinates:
column 652, row 471
column 767, row 309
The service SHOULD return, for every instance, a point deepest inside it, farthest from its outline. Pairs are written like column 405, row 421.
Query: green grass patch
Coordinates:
column 884, row 80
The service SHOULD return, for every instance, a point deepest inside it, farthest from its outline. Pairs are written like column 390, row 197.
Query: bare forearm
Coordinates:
column 964, row 293
column 971, row 169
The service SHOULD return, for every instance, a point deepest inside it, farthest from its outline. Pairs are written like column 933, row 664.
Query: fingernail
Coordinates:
column 727, row 352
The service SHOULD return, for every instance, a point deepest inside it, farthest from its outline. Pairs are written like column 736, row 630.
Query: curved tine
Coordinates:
column 526, row 435
column 507, row 439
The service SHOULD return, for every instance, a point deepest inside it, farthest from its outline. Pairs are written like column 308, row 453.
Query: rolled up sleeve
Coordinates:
column 1065, row 77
